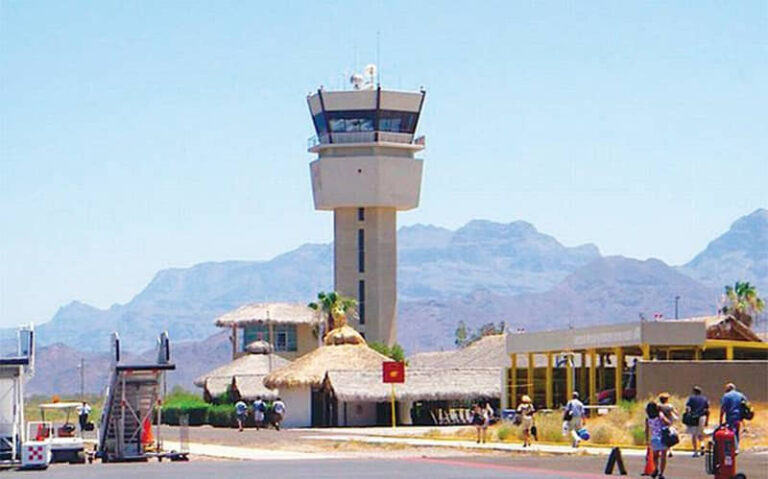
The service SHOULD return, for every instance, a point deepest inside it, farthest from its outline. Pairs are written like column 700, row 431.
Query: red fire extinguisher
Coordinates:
column 721, row 455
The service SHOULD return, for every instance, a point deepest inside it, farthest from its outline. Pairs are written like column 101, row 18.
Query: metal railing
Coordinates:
column 365, row 137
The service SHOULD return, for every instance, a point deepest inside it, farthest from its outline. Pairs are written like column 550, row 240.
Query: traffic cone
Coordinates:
column 146, row 433
column 650, row 466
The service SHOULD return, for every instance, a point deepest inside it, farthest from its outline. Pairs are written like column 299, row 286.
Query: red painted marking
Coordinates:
column 500, row 467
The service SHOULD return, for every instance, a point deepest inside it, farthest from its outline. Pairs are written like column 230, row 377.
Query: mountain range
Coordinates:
column 482, row 272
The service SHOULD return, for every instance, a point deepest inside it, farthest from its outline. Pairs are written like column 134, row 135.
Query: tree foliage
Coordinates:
column 462, row 335
column 743, row 302
column 394, row 352
column 336, row 308
column 465, row 336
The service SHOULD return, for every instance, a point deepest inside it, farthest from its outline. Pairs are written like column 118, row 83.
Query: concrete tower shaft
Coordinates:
column 365, row 172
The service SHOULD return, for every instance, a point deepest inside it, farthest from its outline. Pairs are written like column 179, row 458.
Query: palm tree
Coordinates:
column 744, row 302
column 335, row 306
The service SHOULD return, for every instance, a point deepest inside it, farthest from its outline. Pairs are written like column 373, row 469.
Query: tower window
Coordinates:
column 361, row 214
column 361, row 251
column 361, row 300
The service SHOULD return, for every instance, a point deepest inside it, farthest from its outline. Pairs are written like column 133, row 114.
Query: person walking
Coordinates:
column 278, row 412
column 730, row 409
column 655, row 422
column 241, row 412
column 259, row 408
column 526, row 410
column 669, row 412
column 83, row 411
column 479, row 420
column 696, row 419
column 574, row 417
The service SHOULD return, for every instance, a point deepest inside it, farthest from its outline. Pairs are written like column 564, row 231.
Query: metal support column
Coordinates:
column 530, row 377
column 583, row 375
column 619, row 373
column 646, row 349
column 592, row 377
column 549, row 381
column 568, row 376
column 513, row 381
column 729, row 352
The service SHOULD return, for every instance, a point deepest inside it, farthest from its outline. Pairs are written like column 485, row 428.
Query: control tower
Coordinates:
column 365, row 172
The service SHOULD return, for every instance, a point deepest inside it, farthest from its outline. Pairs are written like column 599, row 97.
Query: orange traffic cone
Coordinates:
column 146, row 434
column 650, row 465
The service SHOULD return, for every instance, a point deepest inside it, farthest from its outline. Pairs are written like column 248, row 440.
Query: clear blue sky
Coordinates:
column 137, row 136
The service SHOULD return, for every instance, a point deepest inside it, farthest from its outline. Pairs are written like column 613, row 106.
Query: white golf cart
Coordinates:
column 66, row 442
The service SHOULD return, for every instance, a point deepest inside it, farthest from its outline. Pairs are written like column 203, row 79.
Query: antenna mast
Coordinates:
column 378, row 58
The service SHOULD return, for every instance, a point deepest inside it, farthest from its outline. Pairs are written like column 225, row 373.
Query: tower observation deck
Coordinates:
column 365, row 171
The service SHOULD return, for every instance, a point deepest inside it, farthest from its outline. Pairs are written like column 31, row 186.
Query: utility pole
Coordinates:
column 677, row 301
column 82, row 379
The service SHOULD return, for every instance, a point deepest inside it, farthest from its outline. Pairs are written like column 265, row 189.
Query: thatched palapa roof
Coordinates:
column 248, row 364
column 420, row 384
column 310, row 369
column 266, row 313
column 245, row 373
column 486, row 352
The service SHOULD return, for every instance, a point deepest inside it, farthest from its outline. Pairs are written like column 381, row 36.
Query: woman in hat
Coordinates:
column 526, row 410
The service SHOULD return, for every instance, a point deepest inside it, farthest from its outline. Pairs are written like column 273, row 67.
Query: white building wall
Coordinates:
column 298, row 405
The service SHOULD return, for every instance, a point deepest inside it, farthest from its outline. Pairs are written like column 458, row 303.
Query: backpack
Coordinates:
column 747, row 411
column 278, row 407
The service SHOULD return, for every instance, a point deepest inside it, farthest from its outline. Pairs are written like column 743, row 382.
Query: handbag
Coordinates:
column 567, row 415
column 690, row 419
column 669, row 436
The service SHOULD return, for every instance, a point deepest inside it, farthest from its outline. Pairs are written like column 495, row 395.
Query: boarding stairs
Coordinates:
column 131, row 405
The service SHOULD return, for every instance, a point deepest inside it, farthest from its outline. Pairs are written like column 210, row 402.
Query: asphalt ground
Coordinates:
column 466, row 466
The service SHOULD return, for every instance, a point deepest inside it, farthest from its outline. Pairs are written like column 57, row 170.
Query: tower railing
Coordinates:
column 364, row 137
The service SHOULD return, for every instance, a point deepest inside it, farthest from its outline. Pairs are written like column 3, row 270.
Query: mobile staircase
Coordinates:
column 132, row 403
column 14, row 372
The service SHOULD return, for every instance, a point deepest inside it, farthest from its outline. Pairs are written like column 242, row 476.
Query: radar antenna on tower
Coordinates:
column 365, row 80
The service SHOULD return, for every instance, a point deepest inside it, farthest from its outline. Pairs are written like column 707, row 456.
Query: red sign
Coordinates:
column 392, row 372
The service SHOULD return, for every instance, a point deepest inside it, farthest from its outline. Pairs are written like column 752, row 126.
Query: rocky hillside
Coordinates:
column 434, row 262
column 607, row 290
column 741, row 253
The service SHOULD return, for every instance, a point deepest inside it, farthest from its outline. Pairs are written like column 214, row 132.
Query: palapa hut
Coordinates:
column 244, row 377
column 293, row 329
column 301, row 382
column 352, row 390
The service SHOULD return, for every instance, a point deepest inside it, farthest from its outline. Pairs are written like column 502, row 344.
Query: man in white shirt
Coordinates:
column 574, row 412
column 82, row 415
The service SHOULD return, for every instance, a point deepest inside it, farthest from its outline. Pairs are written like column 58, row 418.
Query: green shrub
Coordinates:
column 180, row 402
column 638, row 435
column 505, row 432
column 222, row 415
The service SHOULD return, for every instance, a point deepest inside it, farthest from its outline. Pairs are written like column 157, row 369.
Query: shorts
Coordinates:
column 657, row 444
column 241, row 417
column 697, row 430
column 527, row 422
column 258, row 416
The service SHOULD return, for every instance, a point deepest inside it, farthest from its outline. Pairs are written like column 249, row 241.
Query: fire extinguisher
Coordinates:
column 721, row 455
